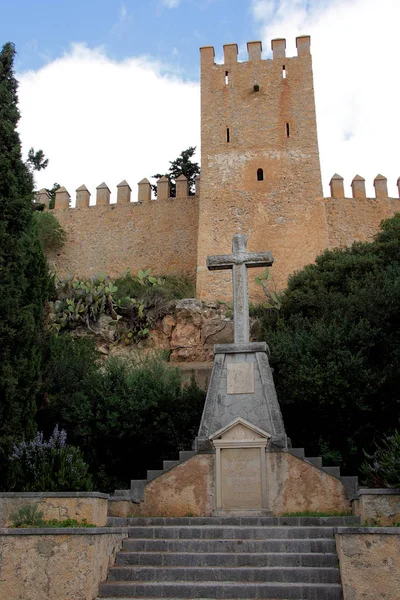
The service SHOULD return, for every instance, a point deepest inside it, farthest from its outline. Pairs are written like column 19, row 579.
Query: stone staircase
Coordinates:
column 136, row 491
column 291, row 558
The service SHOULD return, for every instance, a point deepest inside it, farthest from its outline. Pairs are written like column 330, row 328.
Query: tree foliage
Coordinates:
column 335, row 349
column 182, row 165
column 125, row 416
column 23, row 276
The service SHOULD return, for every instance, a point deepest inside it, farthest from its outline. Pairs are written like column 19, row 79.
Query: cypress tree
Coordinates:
column 24, row 282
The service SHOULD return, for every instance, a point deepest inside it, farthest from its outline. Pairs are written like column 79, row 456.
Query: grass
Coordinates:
column 29, row 516
column 315, row 513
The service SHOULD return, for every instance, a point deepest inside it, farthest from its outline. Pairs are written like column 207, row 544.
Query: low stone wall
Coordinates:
column 91, row 506
column 380, row 506
column 369, row 562
column 56, row 564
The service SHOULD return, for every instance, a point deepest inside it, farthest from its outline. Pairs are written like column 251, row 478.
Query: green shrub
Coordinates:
column 27, row 516
column 50, row 232
column 52, row 466
column 335, row 349
column 382, row 468
column 31, row 516
column 125, row 416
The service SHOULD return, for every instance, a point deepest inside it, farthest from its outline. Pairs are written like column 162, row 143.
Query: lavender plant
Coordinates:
column 49, row 466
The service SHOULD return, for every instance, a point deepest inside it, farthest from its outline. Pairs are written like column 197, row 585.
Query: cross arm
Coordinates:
column 221, row 261
column 257, row 259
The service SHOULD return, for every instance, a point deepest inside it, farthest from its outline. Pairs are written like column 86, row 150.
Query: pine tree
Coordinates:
column 182, row 165
column 24, row 282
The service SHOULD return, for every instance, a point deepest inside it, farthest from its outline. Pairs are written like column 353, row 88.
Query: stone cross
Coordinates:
column 239, row 261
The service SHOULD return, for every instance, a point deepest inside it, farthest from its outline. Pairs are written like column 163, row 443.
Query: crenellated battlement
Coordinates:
column 260, row 175
column 254, row 51
column 358, row 187
column 124, row 192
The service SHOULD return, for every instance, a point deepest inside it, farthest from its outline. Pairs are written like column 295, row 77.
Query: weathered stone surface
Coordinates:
column 259, row 407
column 369, row 563
column 185, row 490
column 381, row 506
column 92, row 507
column 295, row 485
column 56, row 567
column 240, row 378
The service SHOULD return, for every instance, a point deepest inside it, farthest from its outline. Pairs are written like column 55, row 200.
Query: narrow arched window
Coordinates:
column 260, row 175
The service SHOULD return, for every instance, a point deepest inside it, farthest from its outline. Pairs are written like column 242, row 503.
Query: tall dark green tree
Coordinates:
column 24, row 281
column 182, row 165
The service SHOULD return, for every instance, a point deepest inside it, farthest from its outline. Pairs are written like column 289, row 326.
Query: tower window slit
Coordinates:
column 260, row 175
column 226, row 77
column 283, row 72
column 287, row 130
column 228, row 135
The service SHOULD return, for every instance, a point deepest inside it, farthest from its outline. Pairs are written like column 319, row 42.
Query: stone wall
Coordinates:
column 161, row 234
column 356, row 219
column 378, row 506
column 91, row 506
column 297, row 486
column 56, row 564
column 186, row 490
column 369, row 562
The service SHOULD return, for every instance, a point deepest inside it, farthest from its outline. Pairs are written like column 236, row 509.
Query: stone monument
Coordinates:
column 241, row 385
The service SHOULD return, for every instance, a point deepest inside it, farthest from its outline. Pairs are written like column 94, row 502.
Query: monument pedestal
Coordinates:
column 241, row 386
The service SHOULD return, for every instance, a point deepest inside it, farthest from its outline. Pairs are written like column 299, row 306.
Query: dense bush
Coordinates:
column 335, row 349
column 125, row 416
column 382, row 468
column 49, row 466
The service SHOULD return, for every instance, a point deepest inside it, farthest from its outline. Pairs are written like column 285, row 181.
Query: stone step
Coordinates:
column 299, row 452
column 350, row 486
column 314, row 460
column 211, row 532
column 123, row 494
column 153, row 473
column 227, row 559
column 186, row 454
column 249, row 590
column 334, row 471
column 170, row 464
column 223, row 574
column 349, row 520
column 233, row 545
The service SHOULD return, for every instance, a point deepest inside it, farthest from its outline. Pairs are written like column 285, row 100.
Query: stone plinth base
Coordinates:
column 189, row 489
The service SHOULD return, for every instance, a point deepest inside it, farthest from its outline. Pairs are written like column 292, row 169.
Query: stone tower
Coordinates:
column 260, row 170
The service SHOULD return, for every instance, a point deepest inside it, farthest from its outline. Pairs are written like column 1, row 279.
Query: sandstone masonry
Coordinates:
column 260, row 176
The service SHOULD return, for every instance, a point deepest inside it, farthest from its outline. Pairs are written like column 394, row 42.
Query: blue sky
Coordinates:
column 109, row 89
column 169, row 31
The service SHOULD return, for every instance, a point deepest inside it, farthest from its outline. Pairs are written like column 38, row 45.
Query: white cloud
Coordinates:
column 171, row 3
column 356, row 52
column 101, row 120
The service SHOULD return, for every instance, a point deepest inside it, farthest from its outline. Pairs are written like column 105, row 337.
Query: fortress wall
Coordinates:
column 161, row 234
column 356, row 219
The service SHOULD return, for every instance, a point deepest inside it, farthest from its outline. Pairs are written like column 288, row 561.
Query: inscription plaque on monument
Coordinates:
column 241, row 483
column 240, row 378
column 241, row 479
